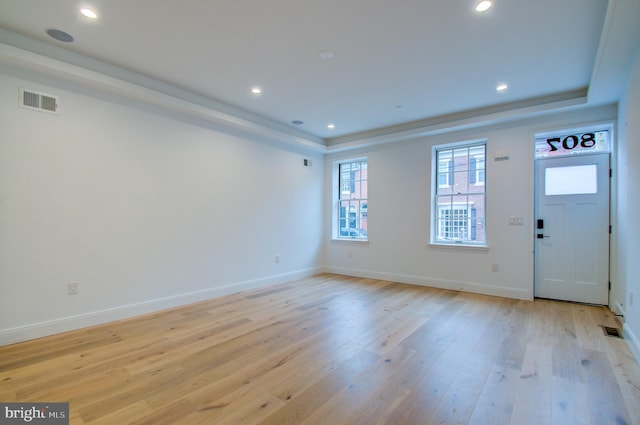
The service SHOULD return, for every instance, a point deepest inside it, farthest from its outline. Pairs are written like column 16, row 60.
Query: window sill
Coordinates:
column 353, row 240
column 459, row 246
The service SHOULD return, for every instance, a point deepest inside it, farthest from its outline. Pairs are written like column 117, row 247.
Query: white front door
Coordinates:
column 572, row 228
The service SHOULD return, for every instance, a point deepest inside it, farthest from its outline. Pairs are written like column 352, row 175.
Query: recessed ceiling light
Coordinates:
column 502, row 87
column 326, row 54
column 331, row 126
column 483, row 6
column 256, row 90
column 89, row 13
column 60, row 35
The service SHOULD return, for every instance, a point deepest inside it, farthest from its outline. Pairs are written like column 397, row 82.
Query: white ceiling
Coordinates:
column 395, row 63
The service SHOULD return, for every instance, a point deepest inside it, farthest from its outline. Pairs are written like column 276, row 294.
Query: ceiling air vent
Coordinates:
column 38, row 101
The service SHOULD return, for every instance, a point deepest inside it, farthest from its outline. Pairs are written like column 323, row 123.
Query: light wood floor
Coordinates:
column 337, row 350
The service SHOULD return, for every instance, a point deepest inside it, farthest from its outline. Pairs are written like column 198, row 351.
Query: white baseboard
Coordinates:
column 473, row 287
column 632, row 341
column 619, row 310
column 65, row 324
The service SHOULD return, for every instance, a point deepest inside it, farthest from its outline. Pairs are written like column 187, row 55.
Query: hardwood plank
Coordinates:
column 589, row 335
column 627, row 375
column 379, row 408
column 167, row 415
column 340, row 350
column 128, row 414
column 568, row 398
column 564, row 340
column 321, row 360
column 43, row 351
column 96, row 404
column 180, row 347
column 495, row 403
column 432, row 379
column 253, row 410
column 458, row 402
column 74, row 386
column 603, row 392
column 514, row 323
column 360, row 401
column 532, row 404
column 233, row 405
column 315, row 396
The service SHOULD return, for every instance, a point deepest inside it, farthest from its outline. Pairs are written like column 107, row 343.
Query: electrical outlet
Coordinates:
column 631, row 299
column 350, row 255
column 72, row 288
column 495, row 268
column 277, row 259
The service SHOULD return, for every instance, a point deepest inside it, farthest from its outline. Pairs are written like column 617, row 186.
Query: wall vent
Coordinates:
column 31, row 99
column 612, row 332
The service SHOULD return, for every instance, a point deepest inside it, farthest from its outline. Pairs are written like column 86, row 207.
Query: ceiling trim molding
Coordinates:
column 191, row 105
column 50, row 60
column 186, row 104
column 605, row 36
column 463, row 121
column 618, row 48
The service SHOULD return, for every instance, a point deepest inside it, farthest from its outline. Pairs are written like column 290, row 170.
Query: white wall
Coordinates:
column 142, row 210
column 147, row 211
column 628, row 266
column 399, row 207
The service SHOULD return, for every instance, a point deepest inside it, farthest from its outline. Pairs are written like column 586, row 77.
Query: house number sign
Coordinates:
column 571, row 143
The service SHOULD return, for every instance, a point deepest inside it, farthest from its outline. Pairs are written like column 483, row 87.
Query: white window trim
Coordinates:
column 433, row 225
column 335, row 199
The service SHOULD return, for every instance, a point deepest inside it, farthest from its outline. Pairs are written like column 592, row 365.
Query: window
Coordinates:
column 352, row 205
column 573, row 180
column 458, row 214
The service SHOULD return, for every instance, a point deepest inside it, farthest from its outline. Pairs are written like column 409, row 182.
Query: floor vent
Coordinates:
column 38, row 101
column 612, row 332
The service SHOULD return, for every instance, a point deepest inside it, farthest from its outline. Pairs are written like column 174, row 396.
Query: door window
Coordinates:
column 574, row 180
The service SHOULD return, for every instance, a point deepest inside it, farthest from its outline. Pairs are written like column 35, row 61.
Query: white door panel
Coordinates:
column 572, row 247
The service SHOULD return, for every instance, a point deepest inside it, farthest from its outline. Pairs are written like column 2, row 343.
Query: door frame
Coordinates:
column 611, row 150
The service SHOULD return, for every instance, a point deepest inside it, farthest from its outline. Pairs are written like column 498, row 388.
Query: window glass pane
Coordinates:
column 461, row 159
column 477, row 227
column 459, row 210
column 571, row 142
column 353, row 214
column 477, row 187
column 342, row 215
column 443, row 203
column 461, row 182
column 476, row 151
column 575, row 180
column 445, row 155
column 445, row 167
column 345, row 179
column 443, row 173
column 445, row 190
column 479, row 169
